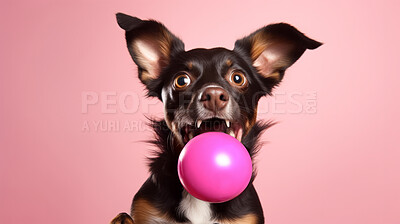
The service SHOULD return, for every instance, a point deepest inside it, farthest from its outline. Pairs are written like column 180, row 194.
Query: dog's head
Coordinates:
column 211, row 89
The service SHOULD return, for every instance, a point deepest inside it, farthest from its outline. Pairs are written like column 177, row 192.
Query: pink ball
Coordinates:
column 214, row 167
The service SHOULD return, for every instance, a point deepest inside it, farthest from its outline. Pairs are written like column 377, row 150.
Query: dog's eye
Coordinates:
column 238, row 79
column 182, row 81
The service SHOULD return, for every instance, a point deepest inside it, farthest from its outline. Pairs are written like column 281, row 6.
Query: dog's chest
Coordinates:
column 197, row 211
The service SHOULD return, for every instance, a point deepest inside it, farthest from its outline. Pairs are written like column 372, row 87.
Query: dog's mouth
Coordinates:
column 212, row 125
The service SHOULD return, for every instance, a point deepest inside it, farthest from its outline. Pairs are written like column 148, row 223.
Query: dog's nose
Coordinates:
column 214, row 98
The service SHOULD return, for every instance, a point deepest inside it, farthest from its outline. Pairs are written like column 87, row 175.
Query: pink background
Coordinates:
column 339, row 164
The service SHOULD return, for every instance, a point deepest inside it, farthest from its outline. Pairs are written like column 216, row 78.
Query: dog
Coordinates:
column 204, row 90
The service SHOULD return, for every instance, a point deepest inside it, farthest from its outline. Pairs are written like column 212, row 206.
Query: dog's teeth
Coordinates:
column 228, row 123
column 198, row 123
column 232, row 133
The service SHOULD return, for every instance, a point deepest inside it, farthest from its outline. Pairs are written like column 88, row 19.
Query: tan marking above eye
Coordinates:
column 229, row 62
column 181, row 81
column 238, row 79
column 189, row 65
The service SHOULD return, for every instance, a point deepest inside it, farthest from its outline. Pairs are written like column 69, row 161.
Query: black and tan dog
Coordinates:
column 204, row 90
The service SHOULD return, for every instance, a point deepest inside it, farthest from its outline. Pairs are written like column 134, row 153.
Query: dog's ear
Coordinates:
column 273, row 49
column 150, row 44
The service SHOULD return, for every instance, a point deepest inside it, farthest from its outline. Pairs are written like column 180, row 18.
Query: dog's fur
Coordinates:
column 204, row 90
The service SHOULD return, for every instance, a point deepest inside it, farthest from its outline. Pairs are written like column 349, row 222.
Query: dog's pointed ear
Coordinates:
column 274, row 48
column 150, row 44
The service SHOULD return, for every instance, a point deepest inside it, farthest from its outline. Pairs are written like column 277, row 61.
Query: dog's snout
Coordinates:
column 214, row 98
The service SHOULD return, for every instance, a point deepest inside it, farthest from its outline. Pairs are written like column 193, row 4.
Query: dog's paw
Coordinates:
column 122, row 218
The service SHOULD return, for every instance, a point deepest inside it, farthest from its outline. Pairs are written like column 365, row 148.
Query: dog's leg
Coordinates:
column 247, row 219
column 122, row 218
